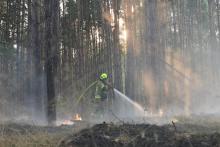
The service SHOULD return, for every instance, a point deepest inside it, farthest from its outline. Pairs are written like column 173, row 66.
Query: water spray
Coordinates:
column 137, row 106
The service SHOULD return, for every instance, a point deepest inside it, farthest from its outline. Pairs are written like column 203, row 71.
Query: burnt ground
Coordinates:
column 146, row 135
column 187, row 132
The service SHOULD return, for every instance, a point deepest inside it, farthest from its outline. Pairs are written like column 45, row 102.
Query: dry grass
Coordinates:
column 30, row 140
column 28, row 136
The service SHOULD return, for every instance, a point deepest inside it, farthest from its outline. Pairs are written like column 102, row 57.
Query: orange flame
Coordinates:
column 77, row 117
column 67, row 122
column 161, row 113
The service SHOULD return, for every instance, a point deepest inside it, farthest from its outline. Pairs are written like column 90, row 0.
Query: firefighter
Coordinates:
column 101, row 94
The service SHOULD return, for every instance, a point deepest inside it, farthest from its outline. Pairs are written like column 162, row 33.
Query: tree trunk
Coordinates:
column 35, row 48
column 51, row 46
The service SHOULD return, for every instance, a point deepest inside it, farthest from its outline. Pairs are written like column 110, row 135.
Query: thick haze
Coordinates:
column 167, row 59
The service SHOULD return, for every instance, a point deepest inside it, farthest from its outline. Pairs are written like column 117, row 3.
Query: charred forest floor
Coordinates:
column 141, row 135
column 195, row 131
column 187, row 132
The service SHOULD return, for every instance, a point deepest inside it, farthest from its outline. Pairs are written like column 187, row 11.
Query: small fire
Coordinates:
column 77, row 117
column 175, row 120
column 161, row 113
column 67, row 122
column 72, row 121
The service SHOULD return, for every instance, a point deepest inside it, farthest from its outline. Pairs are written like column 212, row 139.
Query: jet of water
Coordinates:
column 137, row 106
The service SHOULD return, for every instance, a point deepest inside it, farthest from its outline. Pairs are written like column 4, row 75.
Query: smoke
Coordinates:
column 22, row 98
column 176, row 57
column 125, row 107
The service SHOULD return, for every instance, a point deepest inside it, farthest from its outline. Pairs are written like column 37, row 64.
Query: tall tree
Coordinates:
column 51, row 48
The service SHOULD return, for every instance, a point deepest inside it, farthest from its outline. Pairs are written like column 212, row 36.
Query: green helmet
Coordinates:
column 103, row 76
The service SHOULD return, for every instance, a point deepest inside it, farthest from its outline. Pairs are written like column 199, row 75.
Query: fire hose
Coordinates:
column 85, row 91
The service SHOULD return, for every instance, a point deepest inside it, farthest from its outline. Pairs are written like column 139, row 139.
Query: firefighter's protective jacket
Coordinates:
column 101, row 90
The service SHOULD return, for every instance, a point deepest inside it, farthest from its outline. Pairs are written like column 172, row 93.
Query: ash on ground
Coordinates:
column 144, row 135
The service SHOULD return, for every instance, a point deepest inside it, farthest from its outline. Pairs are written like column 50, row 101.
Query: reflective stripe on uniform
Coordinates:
column 97, row 97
